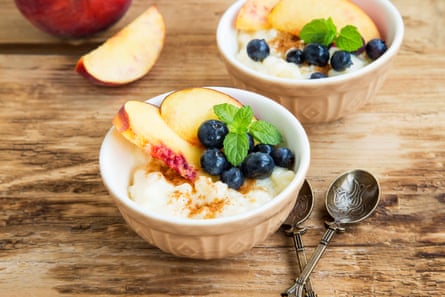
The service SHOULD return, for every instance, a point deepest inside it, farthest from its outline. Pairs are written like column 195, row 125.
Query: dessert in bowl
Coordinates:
column 210, row 233
column 342, row 92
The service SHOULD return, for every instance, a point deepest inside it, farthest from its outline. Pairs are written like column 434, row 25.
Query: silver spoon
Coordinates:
column 351, row 198
column 292, row 227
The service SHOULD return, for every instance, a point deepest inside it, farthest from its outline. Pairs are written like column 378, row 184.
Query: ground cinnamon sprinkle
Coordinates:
column 284, row 42
column 247, row 186
column 171, row 175
column 211, row 209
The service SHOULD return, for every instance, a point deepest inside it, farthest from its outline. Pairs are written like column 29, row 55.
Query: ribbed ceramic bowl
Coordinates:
column 209, row 238
column 320, row 100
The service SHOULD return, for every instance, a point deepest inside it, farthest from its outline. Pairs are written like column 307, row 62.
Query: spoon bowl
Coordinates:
column 302, row 209
column 352, row 197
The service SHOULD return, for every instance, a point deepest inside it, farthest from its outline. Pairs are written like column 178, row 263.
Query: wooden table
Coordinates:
column 61, row 234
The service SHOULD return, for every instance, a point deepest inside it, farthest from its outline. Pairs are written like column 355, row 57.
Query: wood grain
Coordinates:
column 61, row 234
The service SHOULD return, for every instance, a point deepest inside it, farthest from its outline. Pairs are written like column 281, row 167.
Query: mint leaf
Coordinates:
column 236, row 147
column 265, row 132
column 349, row 39
column 225, row 112
column 322, row 31
column 241, row 120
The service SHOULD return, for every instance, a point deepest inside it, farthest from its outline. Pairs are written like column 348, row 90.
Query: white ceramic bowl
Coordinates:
column 209, row 238
column 320, row 100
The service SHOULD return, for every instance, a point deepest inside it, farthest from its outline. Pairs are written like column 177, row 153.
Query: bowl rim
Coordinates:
column 261, row 211
column 226, row 24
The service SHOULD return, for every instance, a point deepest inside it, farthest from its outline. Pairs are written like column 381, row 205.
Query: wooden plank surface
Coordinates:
column 61, row 234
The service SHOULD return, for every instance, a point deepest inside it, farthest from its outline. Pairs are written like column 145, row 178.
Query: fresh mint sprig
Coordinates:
column 324, row 31
column 349, row 39
column 240, row 121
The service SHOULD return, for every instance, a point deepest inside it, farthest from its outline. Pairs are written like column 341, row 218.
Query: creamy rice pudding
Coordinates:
column 276, row 65
column 157, row 188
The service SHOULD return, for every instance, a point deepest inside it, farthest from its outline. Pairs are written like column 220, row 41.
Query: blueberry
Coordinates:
column 263, row 148
column 341, row 60
column 316, row 54
column 283, row 157
column 317, row 75
column 214, row 162
column 295, row 56
column 375, row 48
column 257, row 165
column 233, row 177
column 211, row 133
column 258, row 49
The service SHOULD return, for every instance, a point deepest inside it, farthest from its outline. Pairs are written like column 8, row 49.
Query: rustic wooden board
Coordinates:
column 61, row 234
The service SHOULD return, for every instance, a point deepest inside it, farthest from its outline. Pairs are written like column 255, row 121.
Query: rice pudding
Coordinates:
column 275, row 63
column 157, row 188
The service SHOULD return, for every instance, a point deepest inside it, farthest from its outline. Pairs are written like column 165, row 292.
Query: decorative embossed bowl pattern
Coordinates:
column 321, row 100
column 210, row 238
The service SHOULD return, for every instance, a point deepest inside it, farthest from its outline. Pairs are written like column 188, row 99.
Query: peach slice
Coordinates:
column 141, row 123
column 253, row 15
column 185, row 110
column 129, row 54
column 291, row 15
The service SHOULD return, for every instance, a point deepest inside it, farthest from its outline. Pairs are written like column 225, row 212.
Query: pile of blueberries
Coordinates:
column 258, row 164
column 317, row 54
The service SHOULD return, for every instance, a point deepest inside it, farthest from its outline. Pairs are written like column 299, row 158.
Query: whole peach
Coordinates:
column 72, row 18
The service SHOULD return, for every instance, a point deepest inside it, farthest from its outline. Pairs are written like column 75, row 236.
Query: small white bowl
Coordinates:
column 207, row 238
column 318, row 100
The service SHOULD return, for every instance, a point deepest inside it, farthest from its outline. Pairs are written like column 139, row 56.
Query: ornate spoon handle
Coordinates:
column 297, row 288
column 302, row 260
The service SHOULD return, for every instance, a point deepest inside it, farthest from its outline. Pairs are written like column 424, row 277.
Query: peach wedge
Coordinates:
column 185, row 110
column 141, row 123
column 291, row 15
column 129, row 54
column 253, row 15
